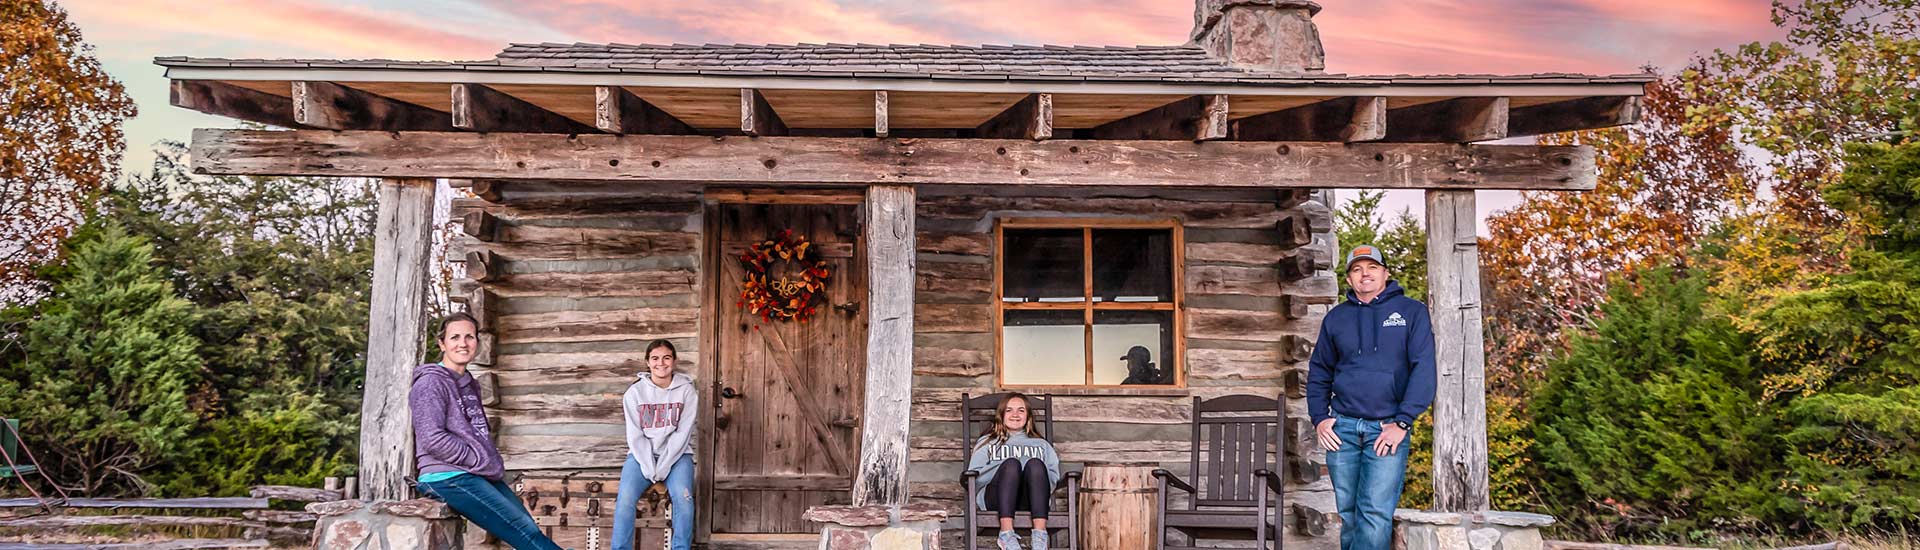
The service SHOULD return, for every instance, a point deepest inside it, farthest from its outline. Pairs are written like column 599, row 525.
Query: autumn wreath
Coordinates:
column 784, row 298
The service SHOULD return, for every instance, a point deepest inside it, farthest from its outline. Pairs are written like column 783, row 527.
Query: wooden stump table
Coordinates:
column 1116, row 506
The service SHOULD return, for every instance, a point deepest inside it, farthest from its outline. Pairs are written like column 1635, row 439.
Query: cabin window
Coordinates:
column 1088, row 303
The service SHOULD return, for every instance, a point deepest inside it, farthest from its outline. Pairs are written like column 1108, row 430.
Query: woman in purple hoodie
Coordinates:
column 458, row 462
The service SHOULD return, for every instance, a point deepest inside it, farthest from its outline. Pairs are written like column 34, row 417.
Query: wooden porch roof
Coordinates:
column 840, row 90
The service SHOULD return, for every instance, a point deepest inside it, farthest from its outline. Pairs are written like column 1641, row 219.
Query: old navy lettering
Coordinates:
column 1004, row 452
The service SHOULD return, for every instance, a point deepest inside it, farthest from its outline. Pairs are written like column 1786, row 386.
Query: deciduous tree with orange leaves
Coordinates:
column 60, row 136
column 1661, row 188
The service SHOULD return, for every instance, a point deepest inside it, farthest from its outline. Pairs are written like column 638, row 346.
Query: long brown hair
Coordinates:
column 998, row 433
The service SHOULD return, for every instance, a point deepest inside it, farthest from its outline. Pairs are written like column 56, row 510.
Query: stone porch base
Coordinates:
column 1490, row 530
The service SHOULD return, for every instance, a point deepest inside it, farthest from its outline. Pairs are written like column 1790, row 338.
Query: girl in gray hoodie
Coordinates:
column 1018, row 471
column 661, row 409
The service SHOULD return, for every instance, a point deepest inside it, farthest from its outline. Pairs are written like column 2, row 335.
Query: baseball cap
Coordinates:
column 1365, row 251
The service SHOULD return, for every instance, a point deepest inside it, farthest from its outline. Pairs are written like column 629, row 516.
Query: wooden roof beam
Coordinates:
column 1030, row 118
column 479, row 108
column 1586, row 113
column 1342, row 119
column 1458, row 120
column 222, row 99
column 864, row 161
column 334, row 107
column 757, row 117
column 880, row 114
column 1196, row 118
column 618, row 111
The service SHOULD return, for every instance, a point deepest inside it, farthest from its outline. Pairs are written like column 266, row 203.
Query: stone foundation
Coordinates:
column 1418, row 530
column 915, row 526
column 418, row 524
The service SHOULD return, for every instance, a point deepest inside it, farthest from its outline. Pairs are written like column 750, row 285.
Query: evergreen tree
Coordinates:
column 1844, row 357
column 104, row 372
column 1650, row 424
column 281, row 270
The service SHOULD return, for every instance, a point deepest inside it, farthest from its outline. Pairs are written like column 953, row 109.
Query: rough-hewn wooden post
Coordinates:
column 402, row 242
column 882, row 479
column 1460, row 405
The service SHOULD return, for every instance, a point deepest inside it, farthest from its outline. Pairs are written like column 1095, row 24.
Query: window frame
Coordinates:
column 1088, row 305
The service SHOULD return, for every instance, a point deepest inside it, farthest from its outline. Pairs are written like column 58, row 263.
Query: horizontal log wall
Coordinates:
column 1241, row 335
column 583, row 278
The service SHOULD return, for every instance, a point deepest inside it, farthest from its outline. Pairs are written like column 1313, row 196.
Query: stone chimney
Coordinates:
column 1262, row 35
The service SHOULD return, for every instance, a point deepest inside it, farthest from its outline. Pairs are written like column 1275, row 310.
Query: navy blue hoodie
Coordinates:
column 1373, row 360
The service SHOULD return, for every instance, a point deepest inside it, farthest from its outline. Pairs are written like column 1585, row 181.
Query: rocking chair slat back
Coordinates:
column 1234, row 436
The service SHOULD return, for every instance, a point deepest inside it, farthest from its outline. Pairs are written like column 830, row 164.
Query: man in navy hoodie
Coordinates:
column 1371, row 374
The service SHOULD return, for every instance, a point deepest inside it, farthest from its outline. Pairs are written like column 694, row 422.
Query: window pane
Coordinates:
column 1133, row 347
column 1043, row 265
column 1133, row 265
column 1044, row 347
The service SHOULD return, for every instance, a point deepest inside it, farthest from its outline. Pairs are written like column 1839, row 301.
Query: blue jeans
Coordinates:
column 492, row 506
column 679, row 490
column 1366, row 487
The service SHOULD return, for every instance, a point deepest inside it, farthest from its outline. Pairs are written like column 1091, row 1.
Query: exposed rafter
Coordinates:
column 880, row 115
column 1459, row 120
column 1030, row 118
column 618, row 111
column 335, row 107
column 227, row 100
column 1342, row 119
column 757, row 117
column 1578, row 114
column 1196, row 118
column 480, row 108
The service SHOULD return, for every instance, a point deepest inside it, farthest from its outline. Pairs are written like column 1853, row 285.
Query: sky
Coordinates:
column 1360, row 36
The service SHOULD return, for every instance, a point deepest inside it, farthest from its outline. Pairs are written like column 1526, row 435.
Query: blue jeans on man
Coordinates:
column 1366, row 487
column 492, row 506
column 634, row 482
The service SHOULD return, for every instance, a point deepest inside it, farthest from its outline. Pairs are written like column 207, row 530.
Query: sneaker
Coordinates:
column 1040, row 541
column 1009, row 540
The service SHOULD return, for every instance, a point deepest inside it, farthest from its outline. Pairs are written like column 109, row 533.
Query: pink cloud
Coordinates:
column 1361, row 36
column 282, row 28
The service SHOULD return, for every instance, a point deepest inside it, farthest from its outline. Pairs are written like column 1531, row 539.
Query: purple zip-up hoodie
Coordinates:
column 449, row 426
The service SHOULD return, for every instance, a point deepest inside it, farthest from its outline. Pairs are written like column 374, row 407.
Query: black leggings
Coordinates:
column 1020, row 487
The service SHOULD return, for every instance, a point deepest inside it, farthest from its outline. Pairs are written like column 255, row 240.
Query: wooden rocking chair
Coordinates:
column 1237, row 491
column 1039, row 410
column 15, row 465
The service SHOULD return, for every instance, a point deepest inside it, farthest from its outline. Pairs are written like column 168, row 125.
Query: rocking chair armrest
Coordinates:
column 1168, row 478
column 1274, row 482
column 1070, row 481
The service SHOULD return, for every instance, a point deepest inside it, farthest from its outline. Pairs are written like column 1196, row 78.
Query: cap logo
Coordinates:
column 1363, row 250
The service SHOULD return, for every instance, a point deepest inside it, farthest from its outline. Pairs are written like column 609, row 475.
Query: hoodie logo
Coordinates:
column 1394, row 320
column 659, row 415
column 1004, row 452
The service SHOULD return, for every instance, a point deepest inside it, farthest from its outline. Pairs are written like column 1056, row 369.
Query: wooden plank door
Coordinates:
column 787, row 395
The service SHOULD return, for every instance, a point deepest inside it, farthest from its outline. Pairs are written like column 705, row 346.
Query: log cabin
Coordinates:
column 1044, row 219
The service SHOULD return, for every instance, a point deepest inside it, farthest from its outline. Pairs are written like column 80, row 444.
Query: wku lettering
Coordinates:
column 660, row 415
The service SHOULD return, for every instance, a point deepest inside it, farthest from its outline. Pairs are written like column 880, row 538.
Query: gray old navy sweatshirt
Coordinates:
column 988, row 455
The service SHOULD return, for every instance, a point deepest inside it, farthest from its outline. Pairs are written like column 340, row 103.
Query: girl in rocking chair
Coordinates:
column 1018, row 471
